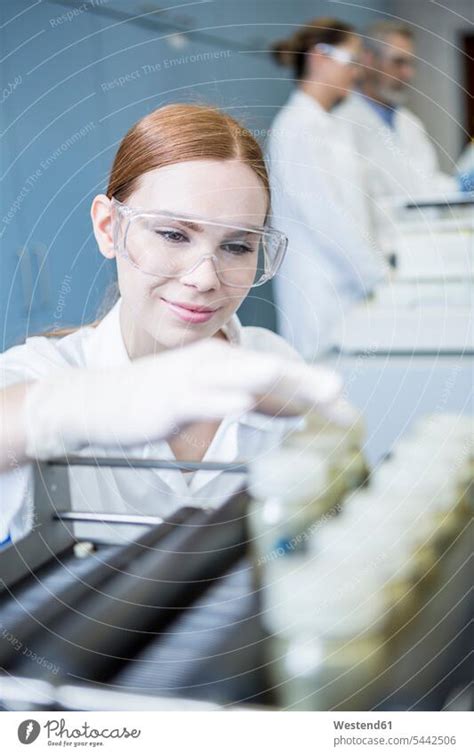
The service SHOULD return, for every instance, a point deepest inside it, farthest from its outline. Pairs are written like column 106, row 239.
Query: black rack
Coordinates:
column 169, row 615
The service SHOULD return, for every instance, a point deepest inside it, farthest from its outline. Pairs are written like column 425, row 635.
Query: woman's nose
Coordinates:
column 203, row 275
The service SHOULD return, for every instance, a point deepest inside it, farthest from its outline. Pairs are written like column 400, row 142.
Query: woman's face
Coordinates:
column 157, row 312
column 338, row 76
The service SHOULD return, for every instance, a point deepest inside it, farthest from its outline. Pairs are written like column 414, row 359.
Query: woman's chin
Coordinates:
column 177, row 335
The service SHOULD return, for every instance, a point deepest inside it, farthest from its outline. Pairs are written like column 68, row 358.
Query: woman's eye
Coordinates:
column 171, row 235
column 234, row 247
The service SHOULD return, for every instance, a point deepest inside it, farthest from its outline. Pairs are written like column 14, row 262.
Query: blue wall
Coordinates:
column 75, row 76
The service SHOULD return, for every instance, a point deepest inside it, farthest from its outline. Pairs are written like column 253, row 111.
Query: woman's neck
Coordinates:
column 322, row 93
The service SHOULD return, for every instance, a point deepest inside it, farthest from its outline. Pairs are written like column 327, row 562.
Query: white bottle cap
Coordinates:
column 288, row 473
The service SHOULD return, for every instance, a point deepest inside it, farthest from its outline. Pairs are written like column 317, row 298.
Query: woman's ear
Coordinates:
column 101, row 214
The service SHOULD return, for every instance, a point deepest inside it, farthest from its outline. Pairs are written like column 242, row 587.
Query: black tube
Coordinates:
column 36, row 605
column 139, row 604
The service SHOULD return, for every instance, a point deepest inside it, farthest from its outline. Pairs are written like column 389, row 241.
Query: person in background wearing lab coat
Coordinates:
column 399, row 157
column 319, row 199
column 169, row 373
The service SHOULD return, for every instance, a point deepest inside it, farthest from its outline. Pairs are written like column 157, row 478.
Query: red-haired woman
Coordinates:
column 169, row 372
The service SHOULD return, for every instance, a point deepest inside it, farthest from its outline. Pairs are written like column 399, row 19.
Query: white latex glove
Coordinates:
column 153, row 397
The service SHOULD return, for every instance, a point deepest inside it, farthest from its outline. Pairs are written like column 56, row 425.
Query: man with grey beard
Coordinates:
column 399, row 157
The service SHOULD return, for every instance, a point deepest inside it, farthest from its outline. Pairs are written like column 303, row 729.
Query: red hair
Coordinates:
column 180, row 133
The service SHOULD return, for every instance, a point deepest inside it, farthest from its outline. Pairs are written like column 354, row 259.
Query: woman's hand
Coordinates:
column 153, row 397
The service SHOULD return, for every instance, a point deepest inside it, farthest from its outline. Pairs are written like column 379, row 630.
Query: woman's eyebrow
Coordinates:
column 194, row 225
column 191, row 225
column 239, row 232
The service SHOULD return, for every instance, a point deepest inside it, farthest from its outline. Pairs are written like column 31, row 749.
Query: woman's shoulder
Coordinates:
column 40, row 356
column 264, row 340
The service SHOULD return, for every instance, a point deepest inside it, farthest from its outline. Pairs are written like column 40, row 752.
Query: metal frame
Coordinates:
column 52, row 531
column 47, row 537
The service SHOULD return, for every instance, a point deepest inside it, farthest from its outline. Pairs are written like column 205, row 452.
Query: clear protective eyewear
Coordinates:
column 341, row 54
column 169, row 245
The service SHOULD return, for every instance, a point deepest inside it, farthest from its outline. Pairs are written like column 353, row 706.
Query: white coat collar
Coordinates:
column 233, row 332
column 106, row 347
column 359, row 100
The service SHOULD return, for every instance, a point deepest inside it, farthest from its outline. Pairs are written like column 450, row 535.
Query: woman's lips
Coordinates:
column 191, row 312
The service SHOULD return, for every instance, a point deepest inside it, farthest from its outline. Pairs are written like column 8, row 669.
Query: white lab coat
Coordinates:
column 319, row 201
column 138, row 491
column 399, row 162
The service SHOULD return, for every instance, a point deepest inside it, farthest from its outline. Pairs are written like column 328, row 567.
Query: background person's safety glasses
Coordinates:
column 341, row 54
column 168, row 245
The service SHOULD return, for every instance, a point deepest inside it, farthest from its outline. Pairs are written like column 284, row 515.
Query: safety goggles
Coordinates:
column 341, row 54
column 169, row 245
